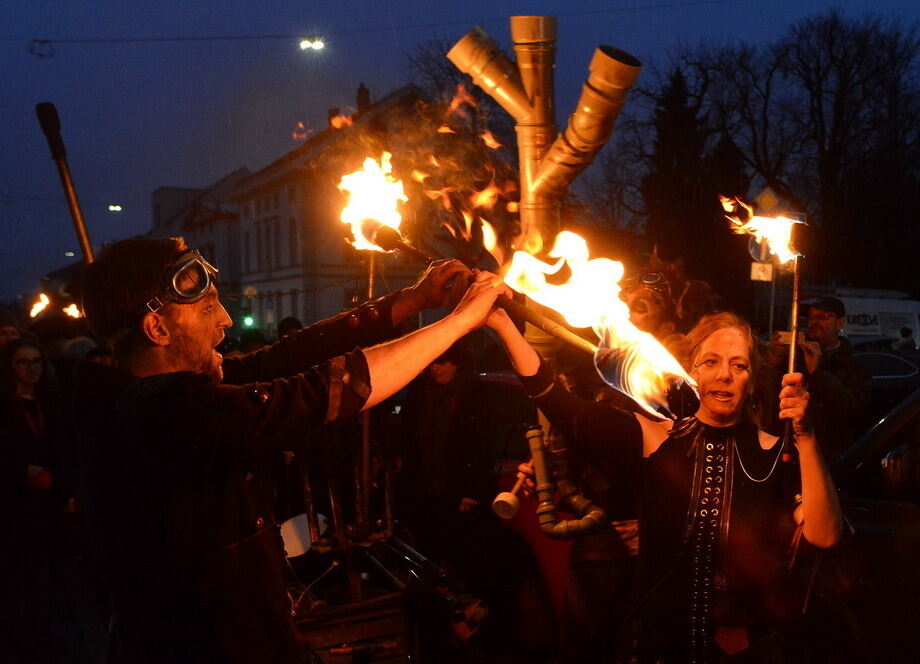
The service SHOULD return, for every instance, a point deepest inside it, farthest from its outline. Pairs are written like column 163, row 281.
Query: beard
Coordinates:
column 196, row 357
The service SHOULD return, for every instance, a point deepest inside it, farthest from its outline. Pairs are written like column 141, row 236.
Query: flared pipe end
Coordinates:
column 533, row 29
column 614, row 67
column 465, row 51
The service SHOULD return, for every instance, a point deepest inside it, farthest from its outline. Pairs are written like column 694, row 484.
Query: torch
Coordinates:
column 51, row 126
column 776, row 232
column 389, row 239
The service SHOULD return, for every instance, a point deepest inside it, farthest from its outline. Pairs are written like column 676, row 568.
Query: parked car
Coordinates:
column 878, row 576
column 895, row 375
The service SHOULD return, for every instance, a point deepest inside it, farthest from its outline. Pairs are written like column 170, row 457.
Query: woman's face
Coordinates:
column 27, row 366
column 722, row 370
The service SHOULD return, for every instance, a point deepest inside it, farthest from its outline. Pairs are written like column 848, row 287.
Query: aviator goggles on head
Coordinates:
column 653, row 281
column 187, row 280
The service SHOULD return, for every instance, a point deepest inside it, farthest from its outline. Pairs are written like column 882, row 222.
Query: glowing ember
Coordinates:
column 629, row 360
column 300, row 132
column 39, row 305
column 73, row 311
column 776, row 231
column 444, row 129
column 419, row 176
column 341, row 121
column 490, row 140
column 373, row 195
column 485, row 198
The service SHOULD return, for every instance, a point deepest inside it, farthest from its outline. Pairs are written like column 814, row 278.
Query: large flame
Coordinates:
column 39, row 305
column 630, row 360
column 373, row 196
column 776, row 231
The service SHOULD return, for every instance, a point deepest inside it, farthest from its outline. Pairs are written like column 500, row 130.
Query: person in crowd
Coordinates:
column 717, row 506
column 840, row 383
column 907, row 341
column 35, row 495
column 289, row 326
column 167, row 442
column 445, row 474
column 9, row 327
column 251, row 340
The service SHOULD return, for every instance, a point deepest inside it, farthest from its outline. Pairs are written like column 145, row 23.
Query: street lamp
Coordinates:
column 312, row 44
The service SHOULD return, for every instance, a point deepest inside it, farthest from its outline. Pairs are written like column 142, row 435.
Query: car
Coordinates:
column 876, row 572
column 895, row 375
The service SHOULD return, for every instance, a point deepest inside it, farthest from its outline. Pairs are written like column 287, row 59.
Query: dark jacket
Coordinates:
column 840, row 390
column 188, row 545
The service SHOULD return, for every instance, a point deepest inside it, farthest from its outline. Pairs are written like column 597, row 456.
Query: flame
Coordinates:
column 39, row 305
column 490, row 140
column 513, row 206
column 485, row 198
column 775, row 231
column 461, row 97
column 630, row 360
column 341, row 121
column 419, row 176
column 490, row 242
column 73, row 311
column 444, row 129
column 373, row 194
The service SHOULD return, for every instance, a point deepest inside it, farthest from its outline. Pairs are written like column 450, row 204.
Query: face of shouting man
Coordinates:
column 195, row 331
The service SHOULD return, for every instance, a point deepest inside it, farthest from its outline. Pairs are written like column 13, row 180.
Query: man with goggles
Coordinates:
column 187, row 281
column 173, row 442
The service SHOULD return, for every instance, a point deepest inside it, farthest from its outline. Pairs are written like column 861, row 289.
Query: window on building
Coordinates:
column 267, row 248
column 276, row 201
column 246, row 249
column 293, row 243
column 258, row 261
column 277, row 243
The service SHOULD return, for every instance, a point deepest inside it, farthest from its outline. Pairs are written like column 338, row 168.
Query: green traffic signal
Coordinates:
column 248, row 321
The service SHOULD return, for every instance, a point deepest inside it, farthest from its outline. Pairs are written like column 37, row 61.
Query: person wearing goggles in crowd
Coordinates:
column 170, row 441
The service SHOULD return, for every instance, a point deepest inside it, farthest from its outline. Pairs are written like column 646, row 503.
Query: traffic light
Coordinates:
column 248, row 321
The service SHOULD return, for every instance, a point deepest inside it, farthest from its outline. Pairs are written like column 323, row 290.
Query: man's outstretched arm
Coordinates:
column 394, row 363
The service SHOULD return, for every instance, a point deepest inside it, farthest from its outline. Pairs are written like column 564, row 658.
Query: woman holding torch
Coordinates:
column 717, row 506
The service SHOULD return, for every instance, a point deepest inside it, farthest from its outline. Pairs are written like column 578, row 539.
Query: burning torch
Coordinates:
column 776, row 232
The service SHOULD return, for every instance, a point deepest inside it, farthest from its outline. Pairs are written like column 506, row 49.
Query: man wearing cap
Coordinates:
column 171, row 442
column 840, row 384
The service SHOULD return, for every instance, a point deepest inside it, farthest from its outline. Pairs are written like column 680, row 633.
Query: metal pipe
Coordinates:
column 793, row 345
column 590, row 518
column 51, row 126
column 534, row 43
column 612, row 73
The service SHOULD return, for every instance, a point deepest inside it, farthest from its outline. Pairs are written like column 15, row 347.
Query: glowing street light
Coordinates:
column 114, row 207
column 69, row 254
column 312, row 44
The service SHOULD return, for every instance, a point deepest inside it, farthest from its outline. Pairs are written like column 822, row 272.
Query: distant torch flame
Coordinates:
column 72, row 310
column 776, row 231
column 630, row 360
column 373, row 196
column 39, row 305
column 341, row 121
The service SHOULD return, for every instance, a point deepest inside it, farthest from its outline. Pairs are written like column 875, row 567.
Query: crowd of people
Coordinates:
column 157, row 458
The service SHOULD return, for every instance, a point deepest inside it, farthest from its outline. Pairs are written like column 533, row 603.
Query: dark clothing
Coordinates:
column 732, row 559
column 186, row 539
column 840, row 390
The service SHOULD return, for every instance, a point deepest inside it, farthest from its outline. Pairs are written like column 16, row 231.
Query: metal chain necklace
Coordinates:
column 747, row 474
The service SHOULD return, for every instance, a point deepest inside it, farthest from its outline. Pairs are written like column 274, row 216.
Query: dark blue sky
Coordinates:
column 137, row 116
